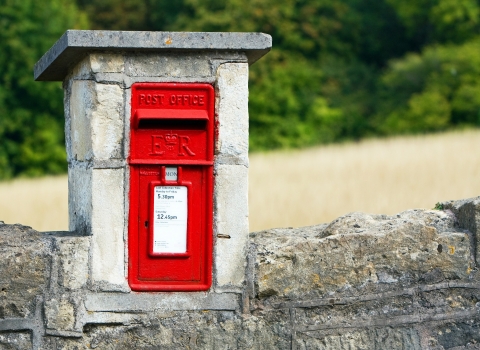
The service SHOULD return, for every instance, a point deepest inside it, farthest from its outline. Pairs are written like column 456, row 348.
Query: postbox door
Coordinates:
column 171, row 189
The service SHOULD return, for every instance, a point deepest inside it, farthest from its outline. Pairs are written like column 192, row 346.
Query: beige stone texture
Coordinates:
column 16, row 340
column 106, row 63
column 60, row 314
column 107, row 122
column 98, row 62
column 73, row 261
column 357, row 250
column 96, row 121
column 107, row 253
column 80, row 199
column 230, row 220
column 82, row 103
column 232, row 110
column 190, row 64
column 82, row 70
column 24, row 270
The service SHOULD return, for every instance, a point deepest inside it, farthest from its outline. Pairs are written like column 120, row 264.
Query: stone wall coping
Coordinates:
column 73, row 45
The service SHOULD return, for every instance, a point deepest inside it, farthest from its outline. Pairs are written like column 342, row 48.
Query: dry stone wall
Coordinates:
column 408, row 281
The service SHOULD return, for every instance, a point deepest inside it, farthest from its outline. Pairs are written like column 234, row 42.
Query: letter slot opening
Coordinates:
column 170, row 119
column 184, row 124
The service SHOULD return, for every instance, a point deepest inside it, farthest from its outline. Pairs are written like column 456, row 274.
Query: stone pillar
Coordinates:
column 98, row 69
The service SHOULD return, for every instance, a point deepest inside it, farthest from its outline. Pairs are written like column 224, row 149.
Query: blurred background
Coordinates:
column 370, row 105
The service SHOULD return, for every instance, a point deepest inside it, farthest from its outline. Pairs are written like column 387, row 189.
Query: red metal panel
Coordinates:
column 172, row 125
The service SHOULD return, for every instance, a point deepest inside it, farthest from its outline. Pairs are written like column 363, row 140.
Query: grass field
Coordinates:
column 316, row 185
column 40, row 203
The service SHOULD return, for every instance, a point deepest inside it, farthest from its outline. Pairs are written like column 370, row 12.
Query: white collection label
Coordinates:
column 170, row 219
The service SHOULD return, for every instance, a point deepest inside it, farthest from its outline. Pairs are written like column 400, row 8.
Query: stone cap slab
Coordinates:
column 75, row 44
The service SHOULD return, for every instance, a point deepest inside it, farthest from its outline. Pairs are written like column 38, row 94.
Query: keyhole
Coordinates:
column 146, row 224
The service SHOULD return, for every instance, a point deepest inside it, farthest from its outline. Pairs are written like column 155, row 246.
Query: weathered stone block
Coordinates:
column 359, row 249
column 232, row 110
column 15, row 341
column 467, row 213
column 60, row 314
column 374, row 338
column 124, row 318
column 230, row 224
column 457, row 335
column 73, row 255
column 107, row 122
column 98, row 62
column 190, row 64
column 101, row 302
column 106, row 62
column 24, row 269
column 82, row 70
column 80, row 198
column 82, row 103
column 96, row 121
column 107, row 225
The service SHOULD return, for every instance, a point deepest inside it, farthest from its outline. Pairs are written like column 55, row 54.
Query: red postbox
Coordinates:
column 171, row 187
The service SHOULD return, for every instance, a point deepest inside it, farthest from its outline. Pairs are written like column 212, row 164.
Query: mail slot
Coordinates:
column 171, row 187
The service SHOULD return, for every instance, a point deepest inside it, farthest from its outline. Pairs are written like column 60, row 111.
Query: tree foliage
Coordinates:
column 31, row 114
column 434, row 90
column 339, row 69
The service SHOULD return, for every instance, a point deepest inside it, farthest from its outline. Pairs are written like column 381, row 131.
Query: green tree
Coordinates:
column 289, row 110
column 132, row 14
column 438, row 21
column 434, row 90
column 31, row 114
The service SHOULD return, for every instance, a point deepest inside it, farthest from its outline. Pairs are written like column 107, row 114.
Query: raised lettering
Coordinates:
column 185, row 100
column 157, row 145
column 142, row 98
column 183, row 146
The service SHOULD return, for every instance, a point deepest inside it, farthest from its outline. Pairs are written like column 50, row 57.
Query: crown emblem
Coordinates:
column 171, row 140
